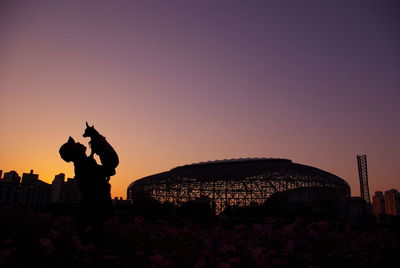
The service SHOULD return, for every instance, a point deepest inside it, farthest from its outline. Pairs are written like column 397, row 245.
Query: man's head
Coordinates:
column 72, row 151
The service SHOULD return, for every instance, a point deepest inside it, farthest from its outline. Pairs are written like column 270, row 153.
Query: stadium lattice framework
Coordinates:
column 235, row 182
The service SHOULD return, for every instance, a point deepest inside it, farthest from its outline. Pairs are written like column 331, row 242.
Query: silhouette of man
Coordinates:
column 95, row 203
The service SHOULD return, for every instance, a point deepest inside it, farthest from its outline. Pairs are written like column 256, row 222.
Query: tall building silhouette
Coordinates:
column 11, row 176
column 392, row 202
column 64, row 192
column 29, row 177
column 9, row 187
column 378, row 204
column 57, row 188
column 33, row 192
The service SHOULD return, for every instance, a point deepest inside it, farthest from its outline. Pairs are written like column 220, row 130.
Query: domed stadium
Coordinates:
column 242, row 182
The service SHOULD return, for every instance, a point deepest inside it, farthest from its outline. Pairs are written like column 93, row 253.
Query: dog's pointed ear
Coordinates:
column 71, row 140
column 87, row 125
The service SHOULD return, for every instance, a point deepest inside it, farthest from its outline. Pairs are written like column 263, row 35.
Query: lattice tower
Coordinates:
column 363, row 174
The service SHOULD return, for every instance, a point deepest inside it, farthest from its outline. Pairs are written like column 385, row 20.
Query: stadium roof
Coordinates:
column 236, row 160
column 241, row 168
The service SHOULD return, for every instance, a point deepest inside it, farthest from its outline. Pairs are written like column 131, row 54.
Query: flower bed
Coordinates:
column 34, row 239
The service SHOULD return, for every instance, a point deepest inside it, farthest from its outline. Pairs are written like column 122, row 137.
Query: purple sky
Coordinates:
column 175, row 82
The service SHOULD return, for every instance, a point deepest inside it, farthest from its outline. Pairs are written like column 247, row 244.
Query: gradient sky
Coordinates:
column 176, row 82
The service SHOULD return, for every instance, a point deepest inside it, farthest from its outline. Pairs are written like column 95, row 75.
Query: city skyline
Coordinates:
column 177, row 82
column 3, row 172
column 64, row 190
column 30, row 191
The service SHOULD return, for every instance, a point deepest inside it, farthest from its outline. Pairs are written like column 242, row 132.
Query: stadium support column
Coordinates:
column 363, row 174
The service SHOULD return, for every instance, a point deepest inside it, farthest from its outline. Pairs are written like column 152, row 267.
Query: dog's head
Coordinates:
column 90, row 131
